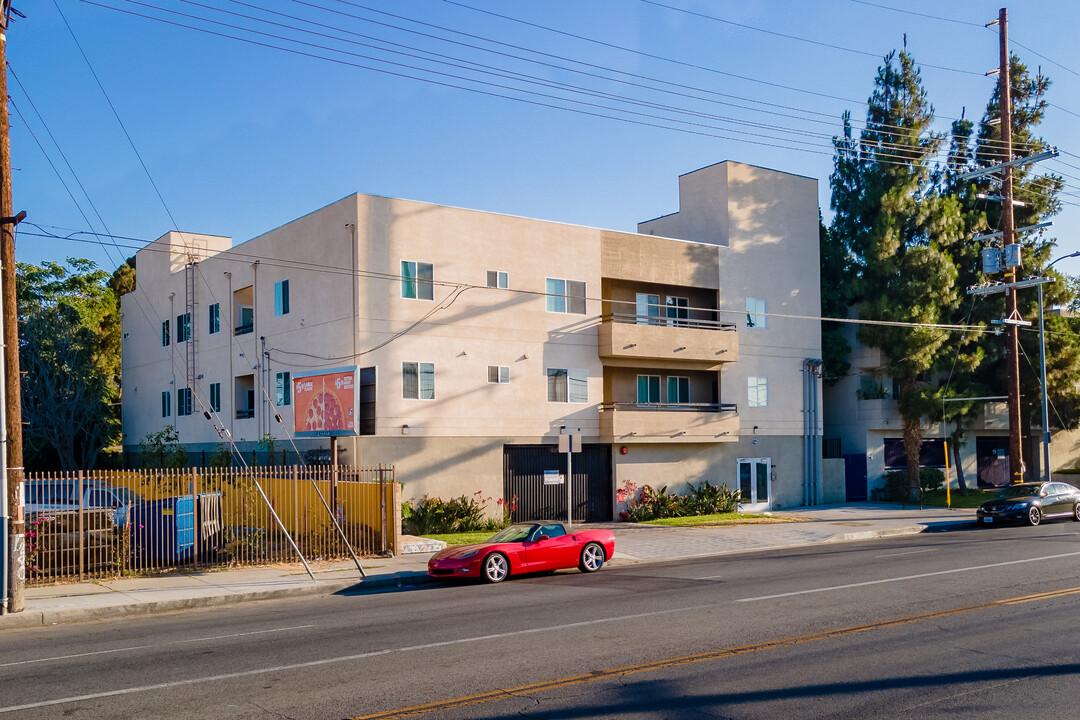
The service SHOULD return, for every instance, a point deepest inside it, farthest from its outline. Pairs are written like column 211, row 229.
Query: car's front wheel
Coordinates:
column 496, row 567
column 1034, row 516
column 1076, row 512
column 592, row 558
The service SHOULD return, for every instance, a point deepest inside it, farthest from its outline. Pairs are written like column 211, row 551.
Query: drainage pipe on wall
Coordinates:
column 815, row 437
column 806, row 432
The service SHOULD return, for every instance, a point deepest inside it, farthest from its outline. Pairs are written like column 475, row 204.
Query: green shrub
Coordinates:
column 708, row 499
column 432, row 515
column 896, row 483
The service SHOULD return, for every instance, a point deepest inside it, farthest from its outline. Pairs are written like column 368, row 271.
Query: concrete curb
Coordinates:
column 32, row 619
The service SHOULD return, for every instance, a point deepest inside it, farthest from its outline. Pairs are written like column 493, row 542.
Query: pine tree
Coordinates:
column 898, row 230
column 1039, row 193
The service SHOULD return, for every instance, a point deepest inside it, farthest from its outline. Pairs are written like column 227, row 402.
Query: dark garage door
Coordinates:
column 523, row 477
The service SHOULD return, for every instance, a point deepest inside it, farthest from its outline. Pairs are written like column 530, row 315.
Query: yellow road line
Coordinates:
column 565, row 682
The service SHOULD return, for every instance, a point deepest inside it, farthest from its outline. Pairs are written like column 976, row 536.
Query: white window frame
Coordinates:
column 166, row 404
column 281, row 298
column 215, row 397
column 757, row 313
column 283, row 388
column 501, row 374
column 677, row 400
column 214, row 319
column 422, row 393
column 575, row 385
column 183, row 402
column 501, row 277
column 562, row 298
column 757, row 391
column 414, row 287
column 648, row 400
column 183, row 327
column 165, row 336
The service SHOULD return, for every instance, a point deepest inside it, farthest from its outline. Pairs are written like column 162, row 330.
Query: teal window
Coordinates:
column 648, row 388
column 166, row 404
column 281, row 298
column 213, row 320
column 418, row 380
column 417, row 280
column 215, row 397
column 284, row 389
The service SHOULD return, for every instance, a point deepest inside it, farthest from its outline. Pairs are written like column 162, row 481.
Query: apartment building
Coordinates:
column 863, row 426
column 680, row 353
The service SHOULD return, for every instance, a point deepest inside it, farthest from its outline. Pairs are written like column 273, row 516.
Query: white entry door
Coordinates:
column 755, row 484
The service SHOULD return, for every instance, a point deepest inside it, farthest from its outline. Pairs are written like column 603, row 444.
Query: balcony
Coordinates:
column 669, row 423
column 244, row 329
column 629, row 339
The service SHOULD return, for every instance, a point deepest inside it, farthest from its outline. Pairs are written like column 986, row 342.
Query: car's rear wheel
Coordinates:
column 1034, row 516
column 1076, row 512
column 592, row 558
column 496, row 567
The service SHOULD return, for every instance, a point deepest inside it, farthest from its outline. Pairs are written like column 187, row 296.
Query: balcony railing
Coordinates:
column 671, row 407
column 687, row 322
column 244, row 329
column 245, row 414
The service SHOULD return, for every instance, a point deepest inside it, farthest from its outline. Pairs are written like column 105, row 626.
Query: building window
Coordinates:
column 498, row 374
column 757, row 391
column 213, row 321
column 166, row 404
column 498, row 279
column 567, row 385
column 755, row 313
column 678, row 310
column 164, row 333
column 281, row 298
column 183, row 327
column 648, row 388
column 215, row 397
column 565, row 296
column 245, row 320
column 678, row 390
column 648, row 309
column 417, row 280
column 284, row 389
column 418, row 381
column 183, row 402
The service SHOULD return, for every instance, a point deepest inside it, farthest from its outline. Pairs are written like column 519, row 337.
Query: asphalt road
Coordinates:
column 975, row 623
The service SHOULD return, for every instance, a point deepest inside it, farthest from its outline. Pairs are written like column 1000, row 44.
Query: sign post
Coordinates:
column 570, row 444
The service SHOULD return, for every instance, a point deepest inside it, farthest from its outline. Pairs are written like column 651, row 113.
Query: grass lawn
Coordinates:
column 974, row 498
column 462, row 538
column 733, row 518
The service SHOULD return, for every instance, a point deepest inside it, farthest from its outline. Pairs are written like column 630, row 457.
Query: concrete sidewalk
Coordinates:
column 633, row 544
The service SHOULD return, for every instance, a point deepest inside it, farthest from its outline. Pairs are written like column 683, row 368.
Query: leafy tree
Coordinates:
column 69, row 350
column 1040, row 195
column 164, row 445
column 898, row 230
column 835, row 299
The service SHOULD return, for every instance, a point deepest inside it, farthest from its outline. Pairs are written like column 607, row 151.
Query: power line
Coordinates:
column 796, row 37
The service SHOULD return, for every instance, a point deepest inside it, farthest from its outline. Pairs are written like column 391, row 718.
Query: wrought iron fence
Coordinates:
column 116, row 522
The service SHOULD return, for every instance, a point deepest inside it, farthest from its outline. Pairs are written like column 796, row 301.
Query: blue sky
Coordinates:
column 239, row 138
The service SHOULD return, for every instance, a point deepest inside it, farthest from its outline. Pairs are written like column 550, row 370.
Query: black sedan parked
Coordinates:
column 1031, row 502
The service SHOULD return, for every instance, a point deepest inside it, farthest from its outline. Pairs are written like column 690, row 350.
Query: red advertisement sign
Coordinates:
column 325, row 403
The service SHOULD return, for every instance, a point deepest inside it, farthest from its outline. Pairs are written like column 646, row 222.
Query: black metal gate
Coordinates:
column 523, row 478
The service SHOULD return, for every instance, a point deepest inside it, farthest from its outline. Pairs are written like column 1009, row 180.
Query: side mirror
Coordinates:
column 542, row 537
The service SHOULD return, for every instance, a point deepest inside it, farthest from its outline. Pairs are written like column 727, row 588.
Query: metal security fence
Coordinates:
column 110, row 523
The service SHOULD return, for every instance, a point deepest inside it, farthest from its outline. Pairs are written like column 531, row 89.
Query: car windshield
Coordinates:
column 1019, row 491
column 514, row 533
column 127, row 495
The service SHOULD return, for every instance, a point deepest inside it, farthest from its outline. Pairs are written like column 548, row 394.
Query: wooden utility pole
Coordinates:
column 1017, row 469
column 16, row 558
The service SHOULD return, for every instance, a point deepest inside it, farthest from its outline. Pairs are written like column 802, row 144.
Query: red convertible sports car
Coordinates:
column 525, row 548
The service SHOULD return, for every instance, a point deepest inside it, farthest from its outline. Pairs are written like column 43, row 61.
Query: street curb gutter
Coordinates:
column 137, row 609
